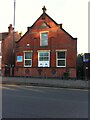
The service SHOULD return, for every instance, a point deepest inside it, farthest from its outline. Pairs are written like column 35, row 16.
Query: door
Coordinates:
column 7, row 70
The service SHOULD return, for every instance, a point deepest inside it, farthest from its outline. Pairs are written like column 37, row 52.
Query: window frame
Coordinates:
column 41, row 38
column 28, row 59
column 44, row 61
column 60, row 58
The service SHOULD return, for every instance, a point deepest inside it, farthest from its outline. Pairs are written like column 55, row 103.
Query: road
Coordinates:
column 43, row 102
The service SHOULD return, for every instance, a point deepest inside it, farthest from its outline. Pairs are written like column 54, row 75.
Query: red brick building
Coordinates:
column 2, row 37
column 7, row 49
column 46, row 50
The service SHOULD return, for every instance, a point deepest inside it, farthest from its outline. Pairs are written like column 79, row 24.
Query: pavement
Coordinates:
column 46, row 82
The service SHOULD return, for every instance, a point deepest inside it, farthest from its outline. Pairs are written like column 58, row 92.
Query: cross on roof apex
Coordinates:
column 44, row 9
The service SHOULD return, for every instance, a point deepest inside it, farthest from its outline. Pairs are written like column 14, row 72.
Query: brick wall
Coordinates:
column 58, row 39
column 7, row 47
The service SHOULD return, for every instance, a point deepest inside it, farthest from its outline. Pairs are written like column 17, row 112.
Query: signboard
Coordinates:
column 43, row 64
column 85, row 60
column 86, row 57
column 19, row 58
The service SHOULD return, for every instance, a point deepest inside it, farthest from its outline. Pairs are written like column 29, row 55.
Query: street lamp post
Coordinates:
column 13, row 40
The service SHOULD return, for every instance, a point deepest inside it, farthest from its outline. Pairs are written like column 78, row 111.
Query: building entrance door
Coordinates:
column 7, row 70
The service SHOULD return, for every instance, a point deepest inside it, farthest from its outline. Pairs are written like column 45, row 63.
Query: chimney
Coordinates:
column 10, row 28
column 20, row 34
column 28, row 28
column 60, row 25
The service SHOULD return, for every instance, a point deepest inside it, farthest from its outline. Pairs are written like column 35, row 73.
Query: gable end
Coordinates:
column 68, row 34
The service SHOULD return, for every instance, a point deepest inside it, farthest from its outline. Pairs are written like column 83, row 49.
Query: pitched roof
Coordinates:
column 41, row 20
column 46, row 15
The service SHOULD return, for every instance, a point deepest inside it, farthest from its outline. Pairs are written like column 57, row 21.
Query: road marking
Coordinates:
column 60, row 88
column 9, row 87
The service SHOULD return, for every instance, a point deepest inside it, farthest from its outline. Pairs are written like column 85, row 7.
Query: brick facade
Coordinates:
column 58, row 40
column 7, row 49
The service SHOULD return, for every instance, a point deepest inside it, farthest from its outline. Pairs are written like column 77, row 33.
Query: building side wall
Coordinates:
column 7, row 48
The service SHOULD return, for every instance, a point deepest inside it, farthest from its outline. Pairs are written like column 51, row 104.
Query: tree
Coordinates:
column 80, row 71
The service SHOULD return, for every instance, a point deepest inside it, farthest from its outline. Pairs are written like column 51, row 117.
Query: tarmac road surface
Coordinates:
column 43, row 102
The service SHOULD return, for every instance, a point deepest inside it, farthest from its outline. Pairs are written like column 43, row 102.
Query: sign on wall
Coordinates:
column 19, row 58
column 43, row 64
column 86, row 57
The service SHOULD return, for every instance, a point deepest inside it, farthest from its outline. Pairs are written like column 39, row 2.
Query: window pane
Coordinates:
column 44, row 35
column 27, row 62
column 61, row 54
column 44, row 42
column 45, row 59
column 41, row 54
column 44, row 56
column 61, row 62
column 28, row 55
column 44, row 39
column 40, row 58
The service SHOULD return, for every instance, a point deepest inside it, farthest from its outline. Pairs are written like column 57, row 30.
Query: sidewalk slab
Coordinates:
column 78, row 84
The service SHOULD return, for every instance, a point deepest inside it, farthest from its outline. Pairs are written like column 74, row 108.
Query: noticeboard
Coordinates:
column 19, row 58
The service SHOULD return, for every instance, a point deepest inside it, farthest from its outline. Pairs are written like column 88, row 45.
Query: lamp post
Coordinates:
column 13, row 40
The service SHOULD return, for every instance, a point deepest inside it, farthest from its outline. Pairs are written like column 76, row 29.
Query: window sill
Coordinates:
column 44, row 46
column 61, row 66
column 27, row 66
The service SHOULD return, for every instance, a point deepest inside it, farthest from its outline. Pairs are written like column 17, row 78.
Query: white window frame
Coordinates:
column 60, row 58
column 41, row 38
column 43, row 62
column 27, row 59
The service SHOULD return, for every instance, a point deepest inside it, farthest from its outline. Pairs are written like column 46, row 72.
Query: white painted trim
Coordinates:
column 43, row 32
column 43, row 50
column 27, row 59
column 28, row 51
column 49, row 57
column 61, row 59
column 61, row 50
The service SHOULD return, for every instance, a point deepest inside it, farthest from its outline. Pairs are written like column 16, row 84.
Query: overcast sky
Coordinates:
column 73, row 14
